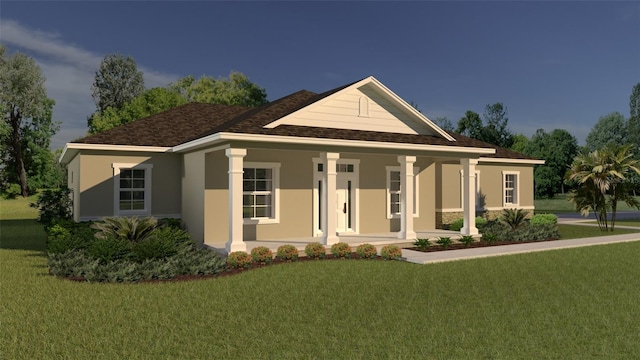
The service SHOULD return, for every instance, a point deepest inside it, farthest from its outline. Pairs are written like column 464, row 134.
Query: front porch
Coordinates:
column 379, row 240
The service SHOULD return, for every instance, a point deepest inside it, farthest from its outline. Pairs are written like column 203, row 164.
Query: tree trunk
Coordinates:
column 15, row 118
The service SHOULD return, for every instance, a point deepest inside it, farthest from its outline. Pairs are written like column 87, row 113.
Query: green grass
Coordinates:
column 573, row 304
column 577, row 231
column 625, row 222
column 559, row 204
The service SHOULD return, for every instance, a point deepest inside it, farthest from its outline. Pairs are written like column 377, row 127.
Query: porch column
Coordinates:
column 329, row 217
column 406, row 198
column 235, row 242
column 469, row 196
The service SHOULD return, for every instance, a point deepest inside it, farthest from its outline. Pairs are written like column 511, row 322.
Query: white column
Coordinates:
column 406, row 197
column 469, row 196
column 235, row 242
column 329, row 207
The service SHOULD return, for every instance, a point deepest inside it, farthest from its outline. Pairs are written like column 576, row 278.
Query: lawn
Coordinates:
column 574, row 304
column 559, row 204
column 577, row 231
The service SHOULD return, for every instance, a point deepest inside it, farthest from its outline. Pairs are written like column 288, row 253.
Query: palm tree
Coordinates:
column 601, row 174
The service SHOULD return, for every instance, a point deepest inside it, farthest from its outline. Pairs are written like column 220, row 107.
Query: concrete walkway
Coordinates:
column 462, row 254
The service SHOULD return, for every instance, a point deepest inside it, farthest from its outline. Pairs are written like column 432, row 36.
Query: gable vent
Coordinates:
column 364, row 106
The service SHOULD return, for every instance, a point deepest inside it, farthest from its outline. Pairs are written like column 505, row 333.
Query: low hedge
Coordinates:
column 527, row 232
column 457, row 224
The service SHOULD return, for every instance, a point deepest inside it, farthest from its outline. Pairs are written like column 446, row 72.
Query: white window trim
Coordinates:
column 505, row 204
column 416, row 192
column 478, row 206
column 275, row 210
column 354, row 177
column 117, row 168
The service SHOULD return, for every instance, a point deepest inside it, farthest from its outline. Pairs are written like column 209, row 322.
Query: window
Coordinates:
column 132, row 189
column 394, row 193
column 510, row 181
column 259, row 191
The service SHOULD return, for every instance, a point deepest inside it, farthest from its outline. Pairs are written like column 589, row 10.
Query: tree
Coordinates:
column 116, row 82
column 558, row 149
column 27, row 126
column 603, row 177
column 236, row 90
column 470, row 125
column 444, row 123
column 610, row 129
column 146, row 104
column 633, row 125
column 520, row 142
column 496, row 130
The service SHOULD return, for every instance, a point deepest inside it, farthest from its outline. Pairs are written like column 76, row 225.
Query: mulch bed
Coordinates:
column 475, row 244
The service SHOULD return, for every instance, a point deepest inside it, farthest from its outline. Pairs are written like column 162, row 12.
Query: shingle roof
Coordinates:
column 196, row 120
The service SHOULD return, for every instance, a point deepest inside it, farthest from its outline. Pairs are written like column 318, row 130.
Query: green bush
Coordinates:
column 77, row 263
column 262, row 254
column 457, row 224
column 543, row 219
column 109, row 249
column 525, row 232
column 391, row 252
column 444, row 241
column 158, row 246
column 54, row 205
column 239, row 259
column 514, row 217
column 12, row 191
column 171, row 222
column 489, row 237
column 422, row 244
column 315, row 250
column 133, row 229
column 287, row 252
column 60, row 240
column 367, row 251
column 467, row 240
column 341, row 250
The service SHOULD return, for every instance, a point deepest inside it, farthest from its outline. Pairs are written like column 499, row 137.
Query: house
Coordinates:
column 353, row 160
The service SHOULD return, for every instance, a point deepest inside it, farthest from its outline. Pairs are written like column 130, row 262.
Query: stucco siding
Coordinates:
column 73, row 183
column 96, row 186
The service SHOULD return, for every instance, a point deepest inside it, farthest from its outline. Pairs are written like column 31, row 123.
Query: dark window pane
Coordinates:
column 263, row 185
column 125, row 195
column 249, row 173
column 247, row 200
column 394, row 175
column 138, row 195
column 350, row 168
column 138, row 184
column 248, row 185
column 247, row 212
column 137, row 205
column 125, row 183
column 262, row 212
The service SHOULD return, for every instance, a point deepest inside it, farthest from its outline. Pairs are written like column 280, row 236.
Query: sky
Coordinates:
column 552, row 64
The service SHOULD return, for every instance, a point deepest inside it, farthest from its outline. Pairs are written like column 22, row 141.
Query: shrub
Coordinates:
column 53, row 206
column 543, row 219
column 367, row 251
column 315, row 250
column 457, row 224
column 239, row 259
column 341, row 250
column 262, row 254
column 195, row 261
column 287, row 252
column 133, row 229
column 514, row 217
column 391, row 252
column 12, row 191
column 444, row 241
column 109, row 249
column 60, row 239
column 467, row 240
column 159, row 246
column 171, row 222
column 489, row 237
column 422, row 244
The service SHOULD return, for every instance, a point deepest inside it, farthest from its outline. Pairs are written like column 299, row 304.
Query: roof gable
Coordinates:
column 366, row 105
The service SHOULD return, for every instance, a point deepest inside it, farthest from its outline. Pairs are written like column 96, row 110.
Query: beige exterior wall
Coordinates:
column 96, row 186
column 449, row 200
column 73, row 183
column 193, row 194
column 296, row 207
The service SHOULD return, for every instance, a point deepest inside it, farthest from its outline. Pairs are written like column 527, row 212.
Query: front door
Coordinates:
column 344, row 205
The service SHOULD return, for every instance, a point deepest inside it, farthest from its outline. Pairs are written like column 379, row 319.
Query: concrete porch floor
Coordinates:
column 379, row 240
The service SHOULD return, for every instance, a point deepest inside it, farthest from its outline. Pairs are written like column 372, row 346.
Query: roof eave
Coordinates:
column 225, row 136
column 71, row 149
